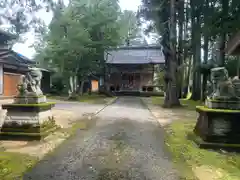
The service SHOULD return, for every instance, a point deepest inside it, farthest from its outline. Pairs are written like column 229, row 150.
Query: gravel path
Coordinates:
column 79, row 108
column 125, row 144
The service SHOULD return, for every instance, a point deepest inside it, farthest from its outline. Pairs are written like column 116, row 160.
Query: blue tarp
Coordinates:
column 22, row 56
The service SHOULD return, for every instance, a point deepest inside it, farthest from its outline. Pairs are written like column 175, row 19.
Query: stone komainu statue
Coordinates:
column 30, row 84
column 222, row 86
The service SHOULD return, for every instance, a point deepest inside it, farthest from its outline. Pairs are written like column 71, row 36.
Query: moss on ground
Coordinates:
column 49, row 124
column 13, row 165
column 187, row 155
column 186, row 104
column 83, row 124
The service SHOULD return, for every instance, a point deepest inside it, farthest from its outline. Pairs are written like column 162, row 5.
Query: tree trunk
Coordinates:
column 196, row 94
column 196, row 44
column 225, row 4
column 81, row 87
column 82, row 81
column 180, row 45
column 171, row 98
column 90, row 87
column 193, row 41
column 238, row 67
column 75, row 83
column 205, row 46
column 185, row 52
column 188, row 72
column 72, row 86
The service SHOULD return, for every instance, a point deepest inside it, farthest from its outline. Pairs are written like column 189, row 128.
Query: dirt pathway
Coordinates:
column 125, row 144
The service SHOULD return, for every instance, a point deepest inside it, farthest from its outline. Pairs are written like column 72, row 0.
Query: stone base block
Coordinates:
column 27, row 120
column 28, row 107
column 24, row 118
column 30, row 100
column 215, row 146
column 220, row 104
column 26, row 134
column 35, row 127
column 218, row 125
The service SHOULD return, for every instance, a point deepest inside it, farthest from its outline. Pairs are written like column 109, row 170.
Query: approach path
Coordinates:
column 125, row 144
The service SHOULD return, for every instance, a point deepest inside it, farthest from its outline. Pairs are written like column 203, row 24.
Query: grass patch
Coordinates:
column 114, row 174
column 187, row 155
column 188, row 104
column 13, row 165
column 61, row 98
column 82, row 124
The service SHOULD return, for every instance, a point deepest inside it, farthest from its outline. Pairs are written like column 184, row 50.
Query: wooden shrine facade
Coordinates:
column 132, row 68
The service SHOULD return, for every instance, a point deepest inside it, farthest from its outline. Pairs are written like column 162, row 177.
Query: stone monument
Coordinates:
column 218, row 121
column 30, row 114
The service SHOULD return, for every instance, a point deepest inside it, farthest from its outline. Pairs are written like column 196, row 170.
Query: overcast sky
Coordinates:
column 29, row 52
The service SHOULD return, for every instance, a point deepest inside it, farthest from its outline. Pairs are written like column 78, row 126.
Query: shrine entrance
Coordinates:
column 130, row 81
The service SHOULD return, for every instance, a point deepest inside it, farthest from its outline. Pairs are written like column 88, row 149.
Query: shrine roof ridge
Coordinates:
column 135, row 55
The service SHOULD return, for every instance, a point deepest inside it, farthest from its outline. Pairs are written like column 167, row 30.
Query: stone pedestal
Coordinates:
column 31, row 121
column 218, row 127
column 222, row 104
column 30, row 99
